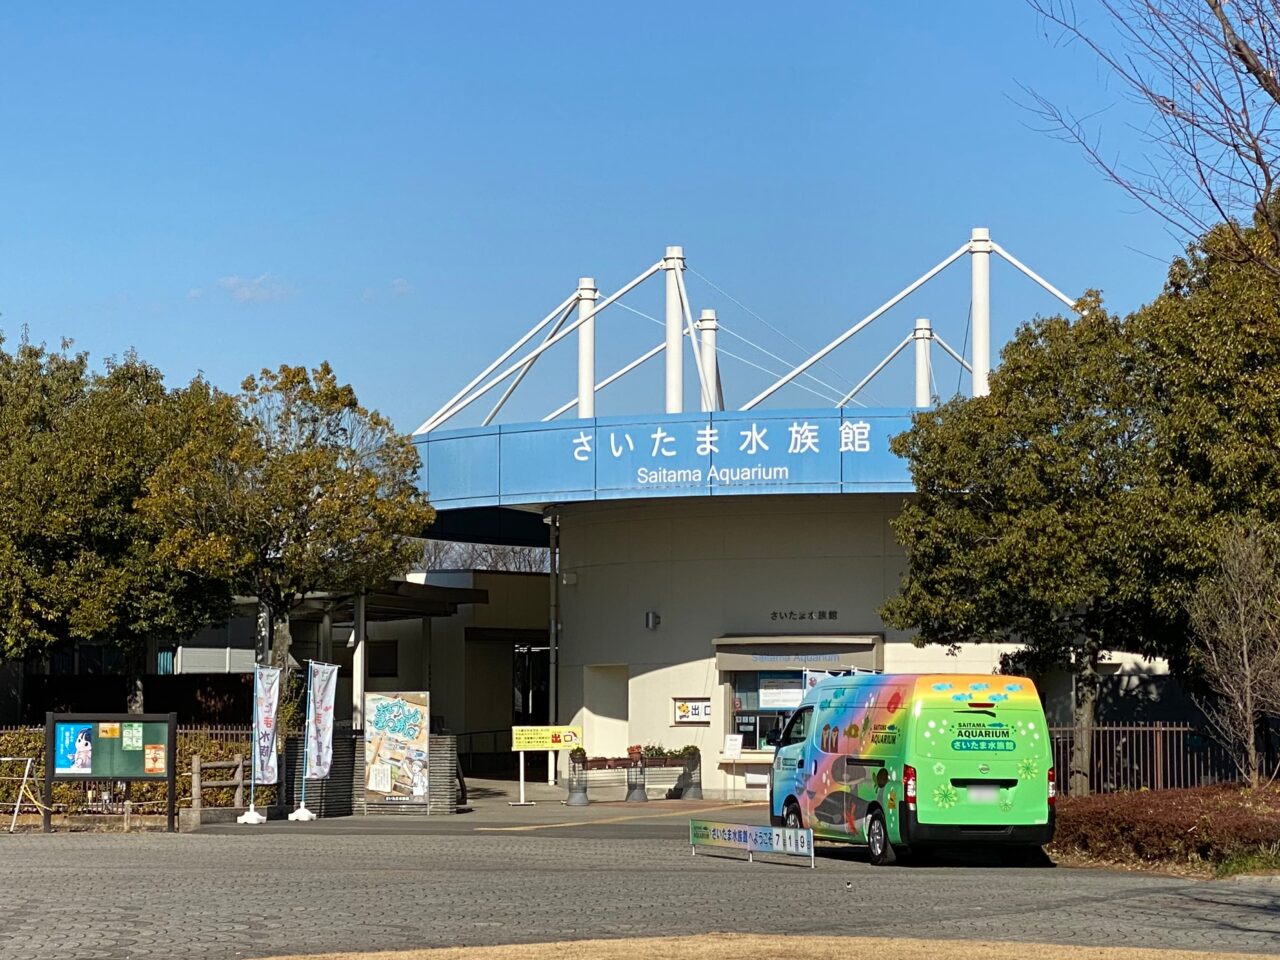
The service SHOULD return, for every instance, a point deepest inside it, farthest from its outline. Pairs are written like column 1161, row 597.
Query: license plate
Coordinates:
column 982, row 793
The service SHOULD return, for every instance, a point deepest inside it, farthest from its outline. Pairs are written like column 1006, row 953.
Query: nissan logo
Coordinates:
column 984, row 768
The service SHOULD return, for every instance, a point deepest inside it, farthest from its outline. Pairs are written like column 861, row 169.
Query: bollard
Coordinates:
column 128, row 815
column 196, row 788
column 577, row 784
column 635, row 782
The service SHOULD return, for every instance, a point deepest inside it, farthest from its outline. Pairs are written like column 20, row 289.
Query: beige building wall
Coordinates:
column 719, row 567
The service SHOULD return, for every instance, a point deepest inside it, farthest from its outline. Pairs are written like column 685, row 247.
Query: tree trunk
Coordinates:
column 134, row 700
column 281, row 641
column 1251, row 758
column 1084, row 714
column 137, row 667
column 266, row 627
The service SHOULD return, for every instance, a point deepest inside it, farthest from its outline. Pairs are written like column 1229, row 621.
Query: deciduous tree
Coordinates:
column 299, row 489
column 1206, row 74
column 1235, row 612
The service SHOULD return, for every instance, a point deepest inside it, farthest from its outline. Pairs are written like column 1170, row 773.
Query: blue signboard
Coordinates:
column 666, row 455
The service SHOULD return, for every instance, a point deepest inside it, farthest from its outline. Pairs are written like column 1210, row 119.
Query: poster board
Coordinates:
column 110, row 746
column 397, row 726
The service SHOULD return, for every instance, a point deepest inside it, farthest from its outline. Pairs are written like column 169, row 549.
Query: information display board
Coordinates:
column 751, row 838
column 115, row 750
column 545, row 738
column 120, row 747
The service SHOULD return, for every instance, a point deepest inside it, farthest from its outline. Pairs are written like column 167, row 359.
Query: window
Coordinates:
column 762, row 700
column 384, row 658
column 798, row 729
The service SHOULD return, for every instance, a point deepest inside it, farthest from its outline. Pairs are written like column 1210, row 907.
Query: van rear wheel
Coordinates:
column 791, row 816
column 881, row 850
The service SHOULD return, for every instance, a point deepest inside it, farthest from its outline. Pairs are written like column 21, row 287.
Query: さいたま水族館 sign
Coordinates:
column 806, row 451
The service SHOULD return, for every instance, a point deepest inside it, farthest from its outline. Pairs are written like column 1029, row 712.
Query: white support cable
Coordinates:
column 774, row 356
column 480, row 391
column 955, row 356
column 444, row 412
column 703, row 381
column 887, row 305
column 878, row 367
column 643, row 358
column 511, row 387
column 747, row 310
column 772, row 373
column 1071, row 304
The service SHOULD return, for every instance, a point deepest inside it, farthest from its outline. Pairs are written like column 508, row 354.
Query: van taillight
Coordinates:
column 909, row 786
column 1053, row 787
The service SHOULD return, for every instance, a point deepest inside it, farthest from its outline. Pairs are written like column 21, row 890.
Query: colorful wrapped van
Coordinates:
column 903, row 763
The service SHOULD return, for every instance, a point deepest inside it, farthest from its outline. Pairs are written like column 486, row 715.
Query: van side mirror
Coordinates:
column 773, row 737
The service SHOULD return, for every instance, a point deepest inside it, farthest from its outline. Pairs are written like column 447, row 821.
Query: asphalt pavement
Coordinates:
column 506, row 874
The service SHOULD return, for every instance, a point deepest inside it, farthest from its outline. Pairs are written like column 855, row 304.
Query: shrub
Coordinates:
column 1202, row 826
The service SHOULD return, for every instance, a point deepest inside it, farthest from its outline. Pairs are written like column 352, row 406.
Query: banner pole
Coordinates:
column 302, row 813
column 252, row 815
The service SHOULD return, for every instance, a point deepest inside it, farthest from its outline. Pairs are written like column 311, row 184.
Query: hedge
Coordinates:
column 1205, row 826
column 73, row 797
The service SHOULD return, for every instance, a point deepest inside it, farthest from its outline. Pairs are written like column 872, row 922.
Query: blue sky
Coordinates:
column 403, row 188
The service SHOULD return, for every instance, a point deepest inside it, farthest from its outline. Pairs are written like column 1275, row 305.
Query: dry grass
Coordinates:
column 730, row 946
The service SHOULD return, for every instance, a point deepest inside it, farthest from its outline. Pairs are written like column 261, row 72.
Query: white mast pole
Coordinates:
column 707, row 327
column 923, row 334
column 672, row 263
column 587, row 296
column 980, row 262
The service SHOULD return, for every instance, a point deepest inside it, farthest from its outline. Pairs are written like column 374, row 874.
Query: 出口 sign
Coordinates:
column 545, row 738
column 692, row 710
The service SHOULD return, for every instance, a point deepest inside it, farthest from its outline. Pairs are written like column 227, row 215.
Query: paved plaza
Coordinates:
column 504, row 875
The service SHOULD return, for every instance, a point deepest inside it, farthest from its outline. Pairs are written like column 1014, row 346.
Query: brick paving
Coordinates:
column 362, row 885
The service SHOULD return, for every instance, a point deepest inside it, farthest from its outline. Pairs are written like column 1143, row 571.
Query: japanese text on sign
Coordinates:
column 545, row 738
column 695, row 710
column 804, row 615
column 751, row 838
column 661, row 450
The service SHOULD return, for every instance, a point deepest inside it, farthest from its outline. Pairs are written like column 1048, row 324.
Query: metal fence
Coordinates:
column 1147, row 756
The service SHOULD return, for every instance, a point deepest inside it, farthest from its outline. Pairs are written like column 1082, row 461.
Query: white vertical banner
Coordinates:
column 322, row 687
column 266, row 700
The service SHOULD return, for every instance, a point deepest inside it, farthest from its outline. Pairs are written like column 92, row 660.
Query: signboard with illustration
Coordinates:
column 129, row 750
column 110, row 746
column 396, row 728
column 693, row 710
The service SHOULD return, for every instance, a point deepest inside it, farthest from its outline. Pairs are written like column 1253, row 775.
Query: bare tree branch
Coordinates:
column 1206, row 70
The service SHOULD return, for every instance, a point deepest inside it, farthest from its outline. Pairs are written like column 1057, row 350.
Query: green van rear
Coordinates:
column 905, row 763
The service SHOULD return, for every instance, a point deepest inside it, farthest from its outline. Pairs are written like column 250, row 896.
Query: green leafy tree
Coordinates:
column 1035, row 518
column 1210, row 349
column 296, row 488
column 77, row 559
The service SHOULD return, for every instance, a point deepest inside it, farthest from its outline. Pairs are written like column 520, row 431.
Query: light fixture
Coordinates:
column 651, row 620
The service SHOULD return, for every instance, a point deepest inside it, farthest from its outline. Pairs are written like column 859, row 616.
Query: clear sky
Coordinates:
column 403, row 188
